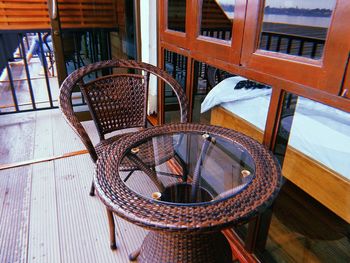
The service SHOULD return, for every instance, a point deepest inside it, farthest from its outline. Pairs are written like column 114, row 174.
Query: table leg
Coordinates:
column 179, row 247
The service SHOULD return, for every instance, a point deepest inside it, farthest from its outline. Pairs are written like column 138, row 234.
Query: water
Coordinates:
column 298, row 20
column 314, row 21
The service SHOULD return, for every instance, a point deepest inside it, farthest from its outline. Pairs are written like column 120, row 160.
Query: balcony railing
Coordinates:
column 30, row 85
column 292, row 44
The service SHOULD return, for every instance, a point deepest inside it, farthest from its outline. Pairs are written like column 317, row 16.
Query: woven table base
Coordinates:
column 174, row 247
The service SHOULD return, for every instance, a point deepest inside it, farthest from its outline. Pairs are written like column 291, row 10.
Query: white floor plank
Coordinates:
column 43, row 232
column 14, row 214
column 43, row 229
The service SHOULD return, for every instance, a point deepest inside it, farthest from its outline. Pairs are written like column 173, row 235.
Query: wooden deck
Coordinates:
column 46, row 213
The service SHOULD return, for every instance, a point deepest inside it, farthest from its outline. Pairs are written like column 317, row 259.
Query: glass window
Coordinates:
column 177, row 15
column 310, row 222
column 205, row 78
column 296, row 27
column 176, row 65
column 217, row 18
column 230, row 101
column 318, row 131
column 289, row 104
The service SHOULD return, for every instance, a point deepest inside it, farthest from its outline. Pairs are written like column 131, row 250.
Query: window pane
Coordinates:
column 296, row 27
column 177, row 15
column 217, row 18
column 311, row 214
column 238, row 103
column 205, row 78
column 318, row 131
column 175, row 65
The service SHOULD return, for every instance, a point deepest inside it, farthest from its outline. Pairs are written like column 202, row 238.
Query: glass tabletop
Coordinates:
column 187, row 168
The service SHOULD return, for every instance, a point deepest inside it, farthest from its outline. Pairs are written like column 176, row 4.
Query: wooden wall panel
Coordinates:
column 24, row 14
column 33, row 14
column 222, row 117
column 323, row 184
column 88, row 13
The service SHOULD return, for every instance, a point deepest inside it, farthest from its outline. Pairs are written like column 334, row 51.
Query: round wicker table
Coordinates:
column 186, row 183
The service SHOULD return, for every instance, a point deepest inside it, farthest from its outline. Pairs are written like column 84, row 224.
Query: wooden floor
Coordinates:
column 46, row 214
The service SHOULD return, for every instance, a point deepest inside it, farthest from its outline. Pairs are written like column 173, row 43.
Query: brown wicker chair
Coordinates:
column 116, row 102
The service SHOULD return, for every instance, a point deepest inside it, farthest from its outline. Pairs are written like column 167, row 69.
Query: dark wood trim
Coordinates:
column 56, row 34
column 189, row 86
column 160, row 97
column 137, row 29
column 152, row 119
column 238, row 249
column 174, row 48
column 258, row 229
column 273, row 117
column 345, row 87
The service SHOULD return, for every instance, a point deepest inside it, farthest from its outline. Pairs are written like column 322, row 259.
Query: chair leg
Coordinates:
column 133, row 255
column 111, row 229
column 92, row 189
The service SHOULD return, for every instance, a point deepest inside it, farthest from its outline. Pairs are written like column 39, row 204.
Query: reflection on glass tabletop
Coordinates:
column 187, row 168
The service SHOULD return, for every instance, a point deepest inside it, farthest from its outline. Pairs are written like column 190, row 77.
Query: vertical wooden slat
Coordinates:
column 33, row 14
column 23, row 14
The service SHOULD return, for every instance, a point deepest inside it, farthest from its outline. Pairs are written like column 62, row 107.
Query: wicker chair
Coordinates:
column 116, row 102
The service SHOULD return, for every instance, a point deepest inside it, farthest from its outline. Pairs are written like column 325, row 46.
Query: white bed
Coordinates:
column 319, row 133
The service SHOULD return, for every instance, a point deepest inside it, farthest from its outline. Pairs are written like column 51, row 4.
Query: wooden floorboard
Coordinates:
column 43, row 245
column 17, row 137
column 14, row 214
column 17, row 144
column 46, row 212
column 64, row 139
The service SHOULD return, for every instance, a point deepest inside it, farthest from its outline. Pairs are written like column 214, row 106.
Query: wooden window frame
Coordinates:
column 192, row 40
column 171, row 36
column 345, row 91
column 215, row 48
column 325, row 72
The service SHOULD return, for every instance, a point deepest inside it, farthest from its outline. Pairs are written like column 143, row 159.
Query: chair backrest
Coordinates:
column 116, row 101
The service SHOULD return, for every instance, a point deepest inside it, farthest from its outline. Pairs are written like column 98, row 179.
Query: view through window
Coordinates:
column 296, row 27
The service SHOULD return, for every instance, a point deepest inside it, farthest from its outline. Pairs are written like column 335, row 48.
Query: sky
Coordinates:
column 308, row 4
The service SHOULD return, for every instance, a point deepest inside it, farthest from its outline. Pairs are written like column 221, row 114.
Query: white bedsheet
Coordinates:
column 318, row 131
column 225, row 92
